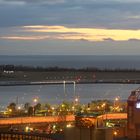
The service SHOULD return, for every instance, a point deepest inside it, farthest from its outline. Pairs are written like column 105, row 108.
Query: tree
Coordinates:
column 30, row 111
column 47, row 106
column 26, row 106
column 64, row 108
column 12, row 106
column 37, row 107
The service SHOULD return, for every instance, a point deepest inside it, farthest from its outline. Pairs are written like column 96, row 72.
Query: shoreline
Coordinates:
column 23, row 83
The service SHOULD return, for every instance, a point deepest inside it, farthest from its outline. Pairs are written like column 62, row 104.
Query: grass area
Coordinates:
column 69, row 75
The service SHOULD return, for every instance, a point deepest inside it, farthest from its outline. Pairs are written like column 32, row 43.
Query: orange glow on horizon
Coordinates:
column 70, row 33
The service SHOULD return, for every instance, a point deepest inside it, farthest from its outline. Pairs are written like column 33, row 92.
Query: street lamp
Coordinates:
column 74, row 93
column 35, row 100
column 76, row 100
column 116, row 103
column 104, row 112
column 103, row 105
column 26, row 128
column 10, row 110
column 115, row 133
column 74, row 85
column 64, row 86
column 116, row 100
column 19, row 108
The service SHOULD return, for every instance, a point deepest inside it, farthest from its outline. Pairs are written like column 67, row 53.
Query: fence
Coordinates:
column 24, row 136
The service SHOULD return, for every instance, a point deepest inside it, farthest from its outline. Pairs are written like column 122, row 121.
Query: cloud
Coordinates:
column 80, row 13
column 91, row 34
column 108, row 39
column 133, row 17
column 31, row 1
column 22, row 38
column 134, row 40
column 11, row 2
column 45, row 32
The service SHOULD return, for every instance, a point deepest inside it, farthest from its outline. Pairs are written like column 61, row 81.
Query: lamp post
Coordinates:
column 75, row 103
column 104, row 112
column 76, row 100
column 116, row 103
column 74, row 85
column 64, row 87
column 35, row 100
column 116, row 99
column 115, row 133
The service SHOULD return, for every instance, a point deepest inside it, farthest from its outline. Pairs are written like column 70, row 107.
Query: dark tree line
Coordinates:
column 57, row 69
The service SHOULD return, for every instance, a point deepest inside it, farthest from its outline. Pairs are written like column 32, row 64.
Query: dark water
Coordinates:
column 54, row 94
column 74, row 61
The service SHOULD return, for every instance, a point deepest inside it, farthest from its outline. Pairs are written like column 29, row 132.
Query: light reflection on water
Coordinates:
column 54, row 94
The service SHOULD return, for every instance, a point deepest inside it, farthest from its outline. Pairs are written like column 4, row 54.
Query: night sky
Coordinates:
column 62, row 27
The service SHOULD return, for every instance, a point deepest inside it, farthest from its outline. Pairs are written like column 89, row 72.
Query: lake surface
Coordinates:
column 54, row 94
